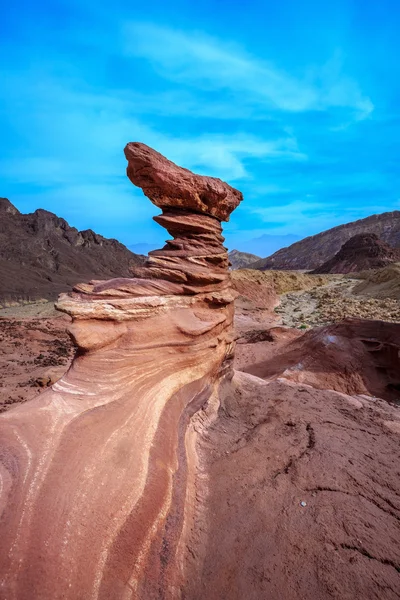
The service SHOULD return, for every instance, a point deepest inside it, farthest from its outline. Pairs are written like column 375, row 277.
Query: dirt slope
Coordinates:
column 380, row 283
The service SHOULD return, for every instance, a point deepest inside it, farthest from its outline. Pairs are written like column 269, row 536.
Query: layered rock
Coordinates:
column 98, row 473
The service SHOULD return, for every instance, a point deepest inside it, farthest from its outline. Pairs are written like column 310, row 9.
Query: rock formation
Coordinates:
column 356, row 356
column 148, row 472
column 97, row 474
column 361, row 252
column 303, row 496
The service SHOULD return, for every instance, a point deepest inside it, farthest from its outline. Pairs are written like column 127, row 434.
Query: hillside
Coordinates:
column 41, row 255
column 380, row 283
column 239, row 260
column 312, row 252
column 360, row 253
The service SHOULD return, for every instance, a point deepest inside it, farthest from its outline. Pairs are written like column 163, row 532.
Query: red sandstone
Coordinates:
column 151, row 471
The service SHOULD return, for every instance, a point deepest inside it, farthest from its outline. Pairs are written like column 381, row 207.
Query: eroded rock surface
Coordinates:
column 98, row 473
column 354, row 357
column 152, row 471
column 304, row 496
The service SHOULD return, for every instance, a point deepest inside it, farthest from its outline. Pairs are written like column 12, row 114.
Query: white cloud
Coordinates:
column 306, row 217
column 208, row 64
column 82, row 135
column 295, row 212
column 72, row 160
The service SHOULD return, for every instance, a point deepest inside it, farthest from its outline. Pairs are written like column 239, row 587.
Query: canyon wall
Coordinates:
column 98, row 493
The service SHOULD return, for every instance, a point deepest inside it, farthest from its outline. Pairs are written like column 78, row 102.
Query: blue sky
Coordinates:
column 297, row 104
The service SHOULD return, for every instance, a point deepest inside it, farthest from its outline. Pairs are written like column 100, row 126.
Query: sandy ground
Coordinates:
column 333, row 302
column 33, row 310
column 303, row 495
column 35, row 351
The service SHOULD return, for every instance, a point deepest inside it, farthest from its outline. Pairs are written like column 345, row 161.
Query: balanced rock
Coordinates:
column 170, row 186
column 98, row 472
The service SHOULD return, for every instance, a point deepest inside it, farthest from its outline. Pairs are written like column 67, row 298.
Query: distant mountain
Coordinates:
column 266, row 244
column 360, row 253
column 312, row 252
column 241, row 259
column 142, row 248
column 41, row 255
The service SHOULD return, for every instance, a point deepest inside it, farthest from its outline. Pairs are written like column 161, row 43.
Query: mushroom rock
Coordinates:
column 171, row 187
column 98, row 474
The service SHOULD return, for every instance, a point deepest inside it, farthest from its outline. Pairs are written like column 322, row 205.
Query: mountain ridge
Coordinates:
column 362, row 252
column 240, row 260
column 311, row 252
column 41, row 255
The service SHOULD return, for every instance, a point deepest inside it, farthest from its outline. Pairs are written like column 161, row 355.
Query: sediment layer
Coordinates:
column 98, row 472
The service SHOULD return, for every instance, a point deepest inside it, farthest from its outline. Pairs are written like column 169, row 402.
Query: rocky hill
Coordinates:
column 41, row 255
column 314, row 251
column 240, row 260
column 361, row 252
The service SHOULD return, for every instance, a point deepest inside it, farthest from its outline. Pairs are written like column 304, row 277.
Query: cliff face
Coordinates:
column 313, row 251
column 99, row 471
column 41, row 255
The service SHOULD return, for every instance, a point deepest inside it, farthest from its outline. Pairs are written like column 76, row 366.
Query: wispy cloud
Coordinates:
column 305, row 216
column 296, row 137
column 72, row 160
column 208, row 64
column 83, row 133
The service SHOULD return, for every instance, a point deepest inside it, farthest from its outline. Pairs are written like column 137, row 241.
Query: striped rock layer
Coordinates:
column 98, row 492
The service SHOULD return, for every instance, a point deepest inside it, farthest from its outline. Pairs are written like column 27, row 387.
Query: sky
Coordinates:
column 297, row 104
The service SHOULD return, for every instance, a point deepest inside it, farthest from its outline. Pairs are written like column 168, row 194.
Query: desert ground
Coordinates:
column 214, row 434
column 36, row 349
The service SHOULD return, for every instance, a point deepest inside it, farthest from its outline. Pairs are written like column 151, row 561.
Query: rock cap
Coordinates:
column 170, row 186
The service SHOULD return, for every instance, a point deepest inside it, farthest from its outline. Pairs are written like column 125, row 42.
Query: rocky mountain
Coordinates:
column 360, row 253
column 41, row 255
column 314, row 251
column 240, row 260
